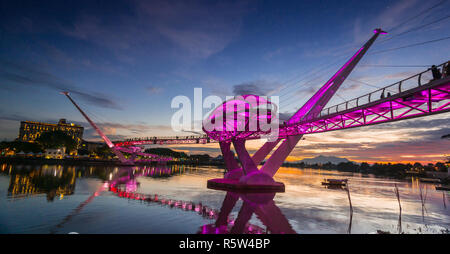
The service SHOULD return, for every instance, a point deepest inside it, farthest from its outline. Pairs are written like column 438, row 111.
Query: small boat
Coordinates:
column 335, row 182
column 443, row 187
column 429, row 180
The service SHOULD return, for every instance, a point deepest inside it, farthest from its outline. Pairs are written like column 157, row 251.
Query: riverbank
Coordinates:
column 99, row 162
column 50, row 195
column 393, row 171
column 385, row 172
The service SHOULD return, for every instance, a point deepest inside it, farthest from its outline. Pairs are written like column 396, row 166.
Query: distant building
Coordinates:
column 91, row 146
column 30, row 131
column 58, row 153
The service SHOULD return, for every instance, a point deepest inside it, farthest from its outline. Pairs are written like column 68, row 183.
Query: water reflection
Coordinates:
column 261, row 204
column 58, row 180
column 51, row 180
column 205, row 211
column 126, row 176
column 91, row 199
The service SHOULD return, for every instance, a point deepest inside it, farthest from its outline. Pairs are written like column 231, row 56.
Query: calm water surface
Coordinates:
column 161, row 199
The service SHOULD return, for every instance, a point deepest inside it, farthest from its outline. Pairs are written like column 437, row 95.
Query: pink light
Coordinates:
column 378, row 30
column 237, row 126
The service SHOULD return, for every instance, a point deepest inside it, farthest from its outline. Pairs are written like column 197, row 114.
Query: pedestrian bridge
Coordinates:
column 416, row 96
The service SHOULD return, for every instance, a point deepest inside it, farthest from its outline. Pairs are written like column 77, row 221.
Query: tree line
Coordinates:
column 47, row 140
column 394, row 169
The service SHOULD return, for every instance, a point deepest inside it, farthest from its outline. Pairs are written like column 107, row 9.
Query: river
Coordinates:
column 174, row 199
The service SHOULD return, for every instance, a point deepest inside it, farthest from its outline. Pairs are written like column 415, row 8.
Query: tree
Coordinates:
column 364, row 166
column 347, row 166
column 57, row 139
column 166, row 152
column 83, row 151
column 418, row 166
column 200, row 157
column 18, row 146
column 441, row 167
column 103, row 151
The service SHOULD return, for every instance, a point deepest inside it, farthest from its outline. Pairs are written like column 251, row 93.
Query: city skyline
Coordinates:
column 125, row 70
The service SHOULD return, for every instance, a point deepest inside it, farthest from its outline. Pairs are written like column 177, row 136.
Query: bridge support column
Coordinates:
column 247, row 163
column 262, row 152
column 274, row 219
column 227, row 206
column 132, row 157
column 276, row 160
column 244, row 216
column 310, row 110
column 233, row 169
column 251, row 173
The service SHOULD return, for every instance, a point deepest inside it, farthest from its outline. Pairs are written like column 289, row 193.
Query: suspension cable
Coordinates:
column 387, row 65
column 409, row 46
column 416, row 16
column 415, row 29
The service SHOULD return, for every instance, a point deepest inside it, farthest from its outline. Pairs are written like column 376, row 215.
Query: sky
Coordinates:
column 124, row 62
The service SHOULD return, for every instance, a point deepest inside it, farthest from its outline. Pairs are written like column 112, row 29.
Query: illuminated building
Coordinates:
column 58, row 153
column 30, row 131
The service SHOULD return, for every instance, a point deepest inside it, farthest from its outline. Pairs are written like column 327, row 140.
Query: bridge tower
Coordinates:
column 249, row 176
column 133, row 151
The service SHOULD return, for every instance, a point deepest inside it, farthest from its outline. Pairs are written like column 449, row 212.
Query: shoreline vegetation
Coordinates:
column 397, row 170
column 35, row 153
column 39, row 152
column 91, row 161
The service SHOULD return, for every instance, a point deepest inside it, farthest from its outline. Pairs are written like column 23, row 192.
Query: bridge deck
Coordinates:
column 429, row 99
column 416, row 96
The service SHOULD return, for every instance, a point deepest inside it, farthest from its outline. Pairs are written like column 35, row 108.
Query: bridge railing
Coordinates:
column 390, row 90
column 169, row 138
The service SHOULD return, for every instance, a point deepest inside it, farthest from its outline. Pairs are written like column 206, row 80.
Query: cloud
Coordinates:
column 259, row 87
column 119, row 131
column 196, row 29
column 388, row 19
column 114, row 131
column 277, row 53
column 416, row 123
column 93, row 28
column 395, row 14
column 12, row 117
column 28, row 75
column 154, row 89
column 381, row 80
column 212, row 149
column 351, row 87
column 200, row 29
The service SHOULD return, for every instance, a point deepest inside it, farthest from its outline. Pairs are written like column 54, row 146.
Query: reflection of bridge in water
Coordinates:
column 417, row 96
column 59, row 181
column 122, row 176
column 124, row 184
column 262, row 204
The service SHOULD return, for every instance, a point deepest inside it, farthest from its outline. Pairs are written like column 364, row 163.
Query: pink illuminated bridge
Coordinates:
column 415, row 96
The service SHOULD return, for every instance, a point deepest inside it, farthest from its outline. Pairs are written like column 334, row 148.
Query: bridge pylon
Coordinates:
column 118, row 151
column 248, row 176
